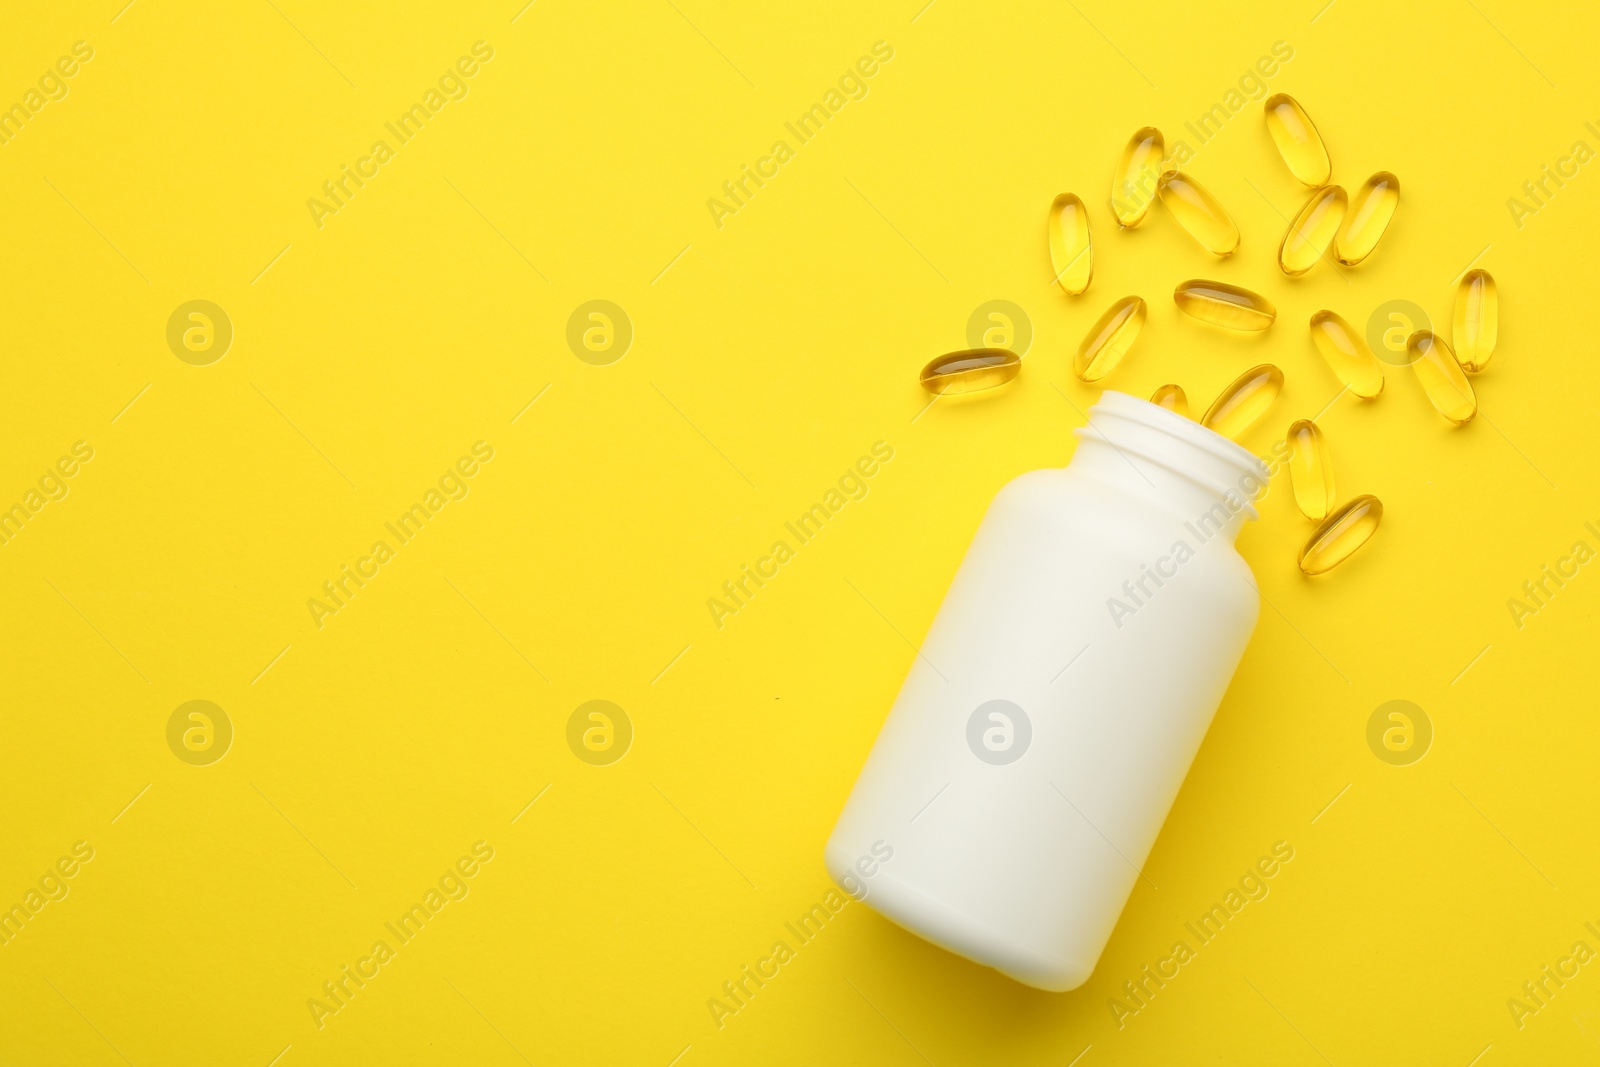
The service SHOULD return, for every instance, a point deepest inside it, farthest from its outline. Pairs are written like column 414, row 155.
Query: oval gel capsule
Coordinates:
column 1297, row 139
column 1222, row 304
column 1172, row 398
column 1477, row 320
column 1340, row 534
column 971, row 371
column 1312, row 230
column 1109, row 339
column 1371, row 208
column 1198, row 212
column 1310, row 470
column 1071, row 254
column 1241, row 405
column 1441, row 377
column 1133, row 187
column 1347, row 354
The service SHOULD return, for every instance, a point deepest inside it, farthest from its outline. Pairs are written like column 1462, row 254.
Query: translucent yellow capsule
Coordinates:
column 1441, row 377
column 1297, row 139
column 1241, row 405
column 1477, row 320
column 1371, row 208
column 1340, row 534
column 1309, row 235
column 1172, row 398
column 1134, row 185
column 1310, row 470
column 1071, row 255
column 1222, row 304
column 1198, row 212
column 1347, row 353
column 971, row 371
column 1109, row 339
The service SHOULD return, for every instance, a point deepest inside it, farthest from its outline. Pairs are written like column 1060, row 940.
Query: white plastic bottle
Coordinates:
column 1060, row 696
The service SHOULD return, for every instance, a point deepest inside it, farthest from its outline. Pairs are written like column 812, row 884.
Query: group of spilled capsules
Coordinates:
column 1331, row 223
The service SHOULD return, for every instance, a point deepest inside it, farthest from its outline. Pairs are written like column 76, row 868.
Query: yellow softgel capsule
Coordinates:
column 1477, row 320
column 1297, row 139
column 1172, row 398
column 1198, row 212
column 1347, row 354
column 1371, row 208
column 971, row 371
column 1071, row 254
column 1441, row 377
column 1312, row 231
column 1241, row 405
column 1109, row 339
column 1310, row 470
column 1340, row 534
column 1222, row 304
column 1133, row 187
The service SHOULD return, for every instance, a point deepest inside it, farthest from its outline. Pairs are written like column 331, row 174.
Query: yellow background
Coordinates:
column 372, row 752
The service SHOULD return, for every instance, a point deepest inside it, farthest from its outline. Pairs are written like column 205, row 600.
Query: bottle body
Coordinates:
column 1059, row 698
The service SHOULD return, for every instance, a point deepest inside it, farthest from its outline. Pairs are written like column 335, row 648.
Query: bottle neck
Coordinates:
column 1198, row 476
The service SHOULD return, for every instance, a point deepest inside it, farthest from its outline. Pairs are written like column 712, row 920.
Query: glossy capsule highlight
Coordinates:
column 1225, row 305
column 1347, row 354
column 1198, row 212
column 1312, row 231
column 1477, row 320
column 1241, row 405
column 1310, row 470
column 1371, row 208
column 1109, row 339
column 1133, row 186
column 971, row 371
column 1071, row 253
column 1172, row 398
column 1441, row 377
column 1297, row 139
column 1340, row 534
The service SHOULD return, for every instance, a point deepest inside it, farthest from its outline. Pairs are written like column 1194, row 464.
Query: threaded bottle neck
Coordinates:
column 1170, row 460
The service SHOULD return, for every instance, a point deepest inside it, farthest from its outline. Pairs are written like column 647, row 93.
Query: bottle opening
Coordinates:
column 1149, row 436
